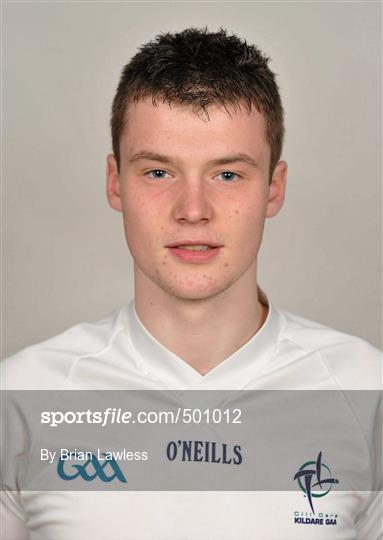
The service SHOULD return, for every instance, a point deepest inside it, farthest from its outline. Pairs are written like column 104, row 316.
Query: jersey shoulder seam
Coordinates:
column 104, row 349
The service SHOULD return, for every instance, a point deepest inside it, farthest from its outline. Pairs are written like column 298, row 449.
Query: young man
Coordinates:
column 197, row 128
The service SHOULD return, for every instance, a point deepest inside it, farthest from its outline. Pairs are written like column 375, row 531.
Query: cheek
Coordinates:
column 247, row 221
column 135, row 215
column 145, row 219
column 250, row 203
column 143, row 202
column 138, row 232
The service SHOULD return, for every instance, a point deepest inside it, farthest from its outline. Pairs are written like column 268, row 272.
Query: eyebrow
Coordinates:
column 232, row 158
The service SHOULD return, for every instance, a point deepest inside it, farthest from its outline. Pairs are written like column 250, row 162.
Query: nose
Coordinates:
column 192, row 204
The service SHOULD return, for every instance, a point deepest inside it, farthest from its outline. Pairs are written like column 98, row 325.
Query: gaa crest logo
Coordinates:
column 315, row 480
column 91, row 469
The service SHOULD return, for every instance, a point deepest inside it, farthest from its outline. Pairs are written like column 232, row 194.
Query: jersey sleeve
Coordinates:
column 13, row 455
column 370, row 524
column 12, row 517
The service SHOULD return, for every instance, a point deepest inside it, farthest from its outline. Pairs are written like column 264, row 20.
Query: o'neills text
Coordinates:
column 204, row 451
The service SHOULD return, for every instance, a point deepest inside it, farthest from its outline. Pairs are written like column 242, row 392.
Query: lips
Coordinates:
column 195, row 248
column 194, row 245
column 195, row 251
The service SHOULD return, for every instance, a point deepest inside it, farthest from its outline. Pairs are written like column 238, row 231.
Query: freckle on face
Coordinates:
column 226, row 264
column 236, row 211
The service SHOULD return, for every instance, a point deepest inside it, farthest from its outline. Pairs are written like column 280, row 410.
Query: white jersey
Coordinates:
column 118, row 353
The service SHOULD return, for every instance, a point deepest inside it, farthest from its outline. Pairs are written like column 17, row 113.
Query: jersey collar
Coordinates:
column 235, row 372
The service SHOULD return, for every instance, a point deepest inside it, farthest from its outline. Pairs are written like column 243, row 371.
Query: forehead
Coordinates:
column 174, row 127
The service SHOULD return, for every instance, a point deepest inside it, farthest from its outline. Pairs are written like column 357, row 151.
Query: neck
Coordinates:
column 201, row 332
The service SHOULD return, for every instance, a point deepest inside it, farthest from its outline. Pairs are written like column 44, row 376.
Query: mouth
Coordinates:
column 194, row 245
column 198, row 247
column 194, row 251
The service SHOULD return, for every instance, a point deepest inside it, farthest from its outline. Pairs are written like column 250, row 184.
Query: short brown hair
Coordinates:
column 199, row 68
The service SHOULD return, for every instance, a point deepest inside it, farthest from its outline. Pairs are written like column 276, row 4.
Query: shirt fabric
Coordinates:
column 118, row 353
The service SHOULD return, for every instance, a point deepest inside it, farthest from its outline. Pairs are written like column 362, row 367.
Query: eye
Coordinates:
column 228, row 176
column 157, row 174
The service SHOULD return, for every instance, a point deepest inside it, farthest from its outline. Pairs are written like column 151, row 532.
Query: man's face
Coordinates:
column 194, row 193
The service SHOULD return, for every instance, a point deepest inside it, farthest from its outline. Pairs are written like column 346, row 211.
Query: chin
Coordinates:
column 193, row 295
column 193, row 286
column 194, row 292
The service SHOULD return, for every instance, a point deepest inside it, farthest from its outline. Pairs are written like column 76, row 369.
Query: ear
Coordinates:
column 113, row 183
column 277, row 189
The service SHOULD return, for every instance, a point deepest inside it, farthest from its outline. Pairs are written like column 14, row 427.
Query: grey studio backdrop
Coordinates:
column 64, row 253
